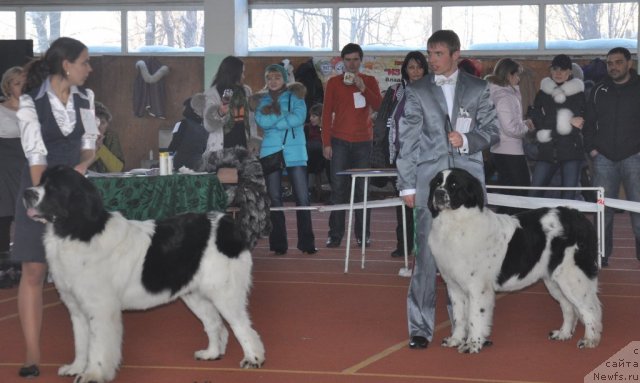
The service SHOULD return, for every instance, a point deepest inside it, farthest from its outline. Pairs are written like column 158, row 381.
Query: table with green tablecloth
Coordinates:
column 153, row 197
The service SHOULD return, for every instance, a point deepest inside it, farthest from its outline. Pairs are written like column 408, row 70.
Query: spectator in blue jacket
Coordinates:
column 281, row 112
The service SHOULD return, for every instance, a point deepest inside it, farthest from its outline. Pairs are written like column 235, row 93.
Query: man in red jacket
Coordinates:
column 347, row 135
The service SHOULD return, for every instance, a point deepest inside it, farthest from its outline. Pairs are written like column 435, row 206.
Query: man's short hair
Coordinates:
column 351, row 48
column 621, row 50
column 446, row 37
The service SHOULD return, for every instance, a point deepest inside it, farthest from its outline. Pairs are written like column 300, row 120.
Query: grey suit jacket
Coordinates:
column 424, row 147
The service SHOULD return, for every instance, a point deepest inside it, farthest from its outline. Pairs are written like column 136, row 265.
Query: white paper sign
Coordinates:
column 359, row 101
column 463, row 125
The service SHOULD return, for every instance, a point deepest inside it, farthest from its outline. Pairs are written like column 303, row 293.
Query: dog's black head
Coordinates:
column 67, row 200
column 453, row 188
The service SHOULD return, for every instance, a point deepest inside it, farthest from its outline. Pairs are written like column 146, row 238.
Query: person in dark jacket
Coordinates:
column 612, row 138
column 189, row 138
column 558, row 117
column 57, row 127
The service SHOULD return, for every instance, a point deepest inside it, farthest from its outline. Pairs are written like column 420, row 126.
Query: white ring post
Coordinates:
column 600, row 224
column 364, row 218
column 346, row 258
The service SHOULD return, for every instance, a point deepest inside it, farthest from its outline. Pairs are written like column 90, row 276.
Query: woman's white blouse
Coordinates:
column 65, row 116
column 8, row 123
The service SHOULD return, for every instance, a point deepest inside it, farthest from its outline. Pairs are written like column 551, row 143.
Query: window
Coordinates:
column 493, row 27
column 8, row 25
column 291, row 29
column 592, row 26
column 390, row 28
column 165, row 31
column 99, row 30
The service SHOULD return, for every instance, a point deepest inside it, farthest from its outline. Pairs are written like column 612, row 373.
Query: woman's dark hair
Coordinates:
column 504, row 67
column 229, row 74
column 419, row 58
column 63, row 48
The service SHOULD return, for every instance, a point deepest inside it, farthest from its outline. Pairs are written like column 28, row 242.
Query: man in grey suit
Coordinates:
column 429, row 144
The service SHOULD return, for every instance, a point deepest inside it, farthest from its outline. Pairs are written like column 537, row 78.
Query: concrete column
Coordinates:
column 226, row 28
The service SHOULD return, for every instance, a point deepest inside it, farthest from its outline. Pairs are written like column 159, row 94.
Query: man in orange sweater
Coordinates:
column 347, row 135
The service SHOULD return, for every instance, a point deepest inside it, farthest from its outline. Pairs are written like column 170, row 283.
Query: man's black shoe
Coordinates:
column 418, row 342
column 359, row 242
column 333, row 242
column 397, row 253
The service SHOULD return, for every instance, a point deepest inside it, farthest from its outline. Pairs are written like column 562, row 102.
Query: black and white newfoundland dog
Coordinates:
column 479, row 252
column 102, row 263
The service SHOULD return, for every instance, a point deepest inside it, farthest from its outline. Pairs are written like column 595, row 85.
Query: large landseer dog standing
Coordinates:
column 103, row 263
column 479, row 252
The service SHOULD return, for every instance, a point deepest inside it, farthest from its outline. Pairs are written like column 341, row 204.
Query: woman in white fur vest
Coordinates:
column 558, row 118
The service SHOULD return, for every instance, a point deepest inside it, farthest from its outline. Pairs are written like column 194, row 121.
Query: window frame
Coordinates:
column 19, row 23
column 436, row 9
column 124, row 50
column 436, row 14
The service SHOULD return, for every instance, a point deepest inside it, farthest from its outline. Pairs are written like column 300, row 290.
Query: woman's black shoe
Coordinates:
column 29, row 371
column 313, row 250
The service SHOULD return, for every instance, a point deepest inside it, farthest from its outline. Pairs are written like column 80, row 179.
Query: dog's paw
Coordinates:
column 588, row 343
column 451, row 342
column 254, row 362
column 560, row 335
column 70, row 369
column 470, row 348
column 207, row 355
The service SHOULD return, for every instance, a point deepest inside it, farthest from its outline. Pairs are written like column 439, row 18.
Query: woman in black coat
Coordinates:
column 558, row 118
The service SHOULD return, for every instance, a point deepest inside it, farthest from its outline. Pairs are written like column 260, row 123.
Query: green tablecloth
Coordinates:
column 153, row 197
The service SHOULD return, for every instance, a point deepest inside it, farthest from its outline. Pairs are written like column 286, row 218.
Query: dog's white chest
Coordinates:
column 472, row 244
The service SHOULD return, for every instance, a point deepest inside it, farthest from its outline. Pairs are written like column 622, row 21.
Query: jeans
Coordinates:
column 544, row 171
column 609, row 175
column 278, row 237
column 347, row 155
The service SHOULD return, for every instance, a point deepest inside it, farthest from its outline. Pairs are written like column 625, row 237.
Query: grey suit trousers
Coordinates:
column 421, row 300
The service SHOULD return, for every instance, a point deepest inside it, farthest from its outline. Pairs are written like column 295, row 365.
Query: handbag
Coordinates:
column 274, row 161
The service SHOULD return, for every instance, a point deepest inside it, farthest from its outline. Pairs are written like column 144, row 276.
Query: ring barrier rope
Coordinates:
column 496, row 199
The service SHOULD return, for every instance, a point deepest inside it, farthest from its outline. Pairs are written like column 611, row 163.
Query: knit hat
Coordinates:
column 276, row 68
column 562, row 62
